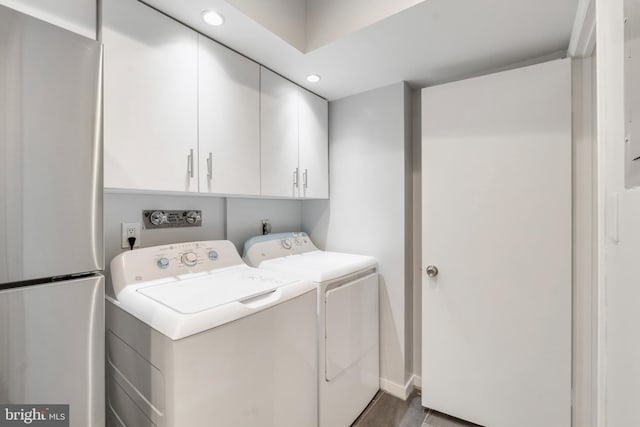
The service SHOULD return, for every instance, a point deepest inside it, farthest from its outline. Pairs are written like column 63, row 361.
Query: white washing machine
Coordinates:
column 348, row 318
column 196, row 338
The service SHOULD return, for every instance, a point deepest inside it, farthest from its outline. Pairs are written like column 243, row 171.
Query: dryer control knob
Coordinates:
column 190, row 259
column 192, row 217
column 286, row 243
column 163, row 263
column 158, row 217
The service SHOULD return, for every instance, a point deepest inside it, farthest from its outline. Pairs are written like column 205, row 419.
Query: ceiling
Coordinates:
column 310, row 24
column 431, row 42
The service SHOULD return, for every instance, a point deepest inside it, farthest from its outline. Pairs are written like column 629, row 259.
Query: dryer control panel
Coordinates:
column 172, row 260
column 260, row 248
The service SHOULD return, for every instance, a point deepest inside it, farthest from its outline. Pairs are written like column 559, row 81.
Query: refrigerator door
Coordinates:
column 52, row 347
column 50, row 150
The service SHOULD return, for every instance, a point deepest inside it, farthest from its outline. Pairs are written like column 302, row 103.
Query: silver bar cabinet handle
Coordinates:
column 190, row 163
column 295, row 177
column 304, row 178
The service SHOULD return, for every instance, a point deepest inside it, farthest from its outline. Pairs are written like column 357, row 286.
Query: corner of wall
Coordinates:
column 408, row 230
column 368, row 211
column 584, row 242
column 416, row 279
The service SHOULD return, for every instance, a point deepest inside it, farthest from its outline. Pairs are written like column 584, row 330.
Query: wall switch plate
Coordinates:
column 130, row 229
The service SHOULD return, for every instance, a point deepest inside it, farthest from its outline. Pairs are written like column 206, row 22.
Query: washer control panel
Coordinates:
column 195, row 256
column 260, row 248
column 173, row 261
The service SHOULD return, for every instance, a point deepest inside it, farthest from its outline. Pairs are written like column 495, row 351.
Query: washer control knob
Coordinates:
column 189, row 259
column 163, row 263
column 286, row 243
column 193, row 217
column 213, row 255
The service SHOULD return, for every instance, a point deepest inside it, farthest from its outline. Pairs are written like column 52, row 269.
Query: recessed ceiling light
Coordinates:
column 212, row 17
column 313, row 78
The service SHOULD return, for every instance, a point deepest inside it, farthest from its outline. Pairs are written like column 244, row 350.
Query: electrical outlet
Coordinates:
column 130, row 229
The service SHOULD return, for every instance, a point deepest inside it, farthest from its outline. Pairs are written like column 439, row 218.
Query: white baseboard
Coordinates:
column 417, row 381
column 398, row 390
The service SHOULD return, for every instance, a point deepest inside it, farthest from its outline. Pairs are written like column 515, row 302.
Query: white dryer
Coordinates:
column 348, row 318
column 197, row 338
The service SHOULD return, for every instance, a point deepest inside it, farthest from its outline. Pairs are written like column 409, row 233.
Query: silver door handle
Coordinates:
column 210, row 166
column 295, row 177
column 304, row 178
column 432, row 271
column 190, row 163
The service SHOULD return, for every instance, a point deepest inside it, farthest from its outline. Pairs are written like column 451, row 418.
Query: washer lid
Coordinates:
column 193, row 295
column 320, row 266
column 186, row 305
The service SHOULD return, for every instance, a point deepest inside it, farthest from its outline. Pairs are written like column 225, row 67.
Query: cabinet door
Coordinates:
column 278, row 136
column 75, row 15
column 313, row 145
column 229, row 124
column 150, row 99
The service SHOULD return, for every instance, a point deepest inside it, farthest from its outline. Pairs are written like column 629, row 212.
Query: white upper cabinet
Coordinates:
column 229, row 121
column 79, row 16
column 280, row 175
column 184, row 113
column 150, row 99
column 313, row 145
column 294, row 140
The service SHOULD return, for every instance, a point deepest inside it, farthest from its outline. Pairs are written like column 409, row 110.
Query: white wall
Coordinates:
column 584, row 243
column 244, row 218
column 328, row 20
column 416, row 110
column 409, row 239
column 310, row 24
column 368, row 148
column 286, row 18
column 632, row 91
column 79, row 16
column 619, row 233
column 622, row 356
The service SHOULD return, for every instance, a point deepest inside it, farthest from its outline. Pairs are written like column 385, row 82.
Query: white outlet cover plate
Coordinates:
column 135, row 227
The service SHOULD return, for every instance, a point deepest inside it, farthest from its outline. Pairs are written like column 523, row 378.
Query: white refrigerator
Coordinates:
column 51, row 248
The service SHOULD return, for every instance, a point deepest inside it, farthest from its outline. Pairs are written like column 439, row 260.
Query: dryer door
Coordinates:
column 351, row 323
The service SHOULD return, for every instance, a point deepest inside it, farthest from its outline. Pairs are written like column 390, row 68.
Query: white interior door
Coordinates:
column 496, row 326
